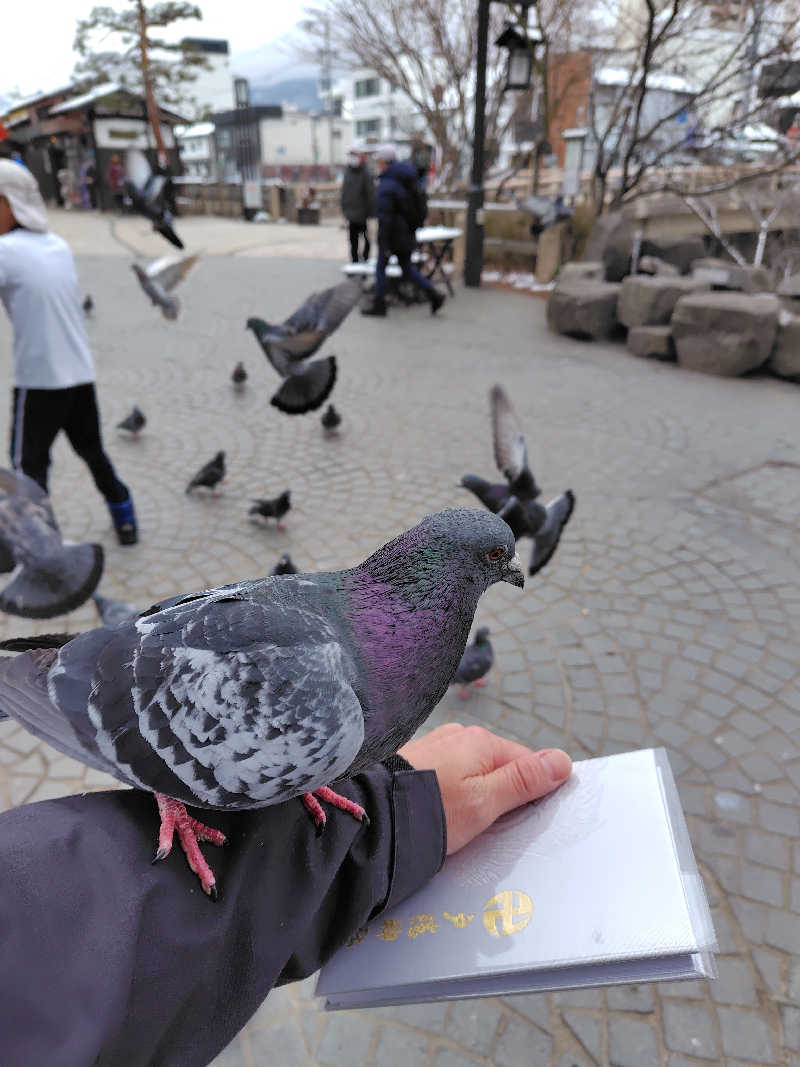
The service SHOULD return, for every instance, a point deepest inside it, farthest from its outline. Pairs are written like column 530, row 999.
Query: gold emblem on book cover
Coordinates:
column 507, row 913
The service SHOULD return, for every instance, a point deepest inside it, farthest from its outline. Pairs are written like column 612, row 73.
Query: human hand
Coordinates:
column 482, row 776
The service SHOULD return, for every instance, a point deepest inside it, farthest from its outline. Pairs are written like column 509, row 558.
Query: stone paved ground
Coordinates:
column 670, row 615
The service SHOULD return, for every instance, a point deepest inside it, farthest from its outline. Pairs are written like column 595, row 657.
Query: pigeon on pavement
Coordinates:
column 146, row 192
column 134, row 422
column 289, row 347
column 275, row 508
column 331, row 419
column 475, row 663
column 113, row 612
column 284, row 565
column 88, row 305
column 515, row 501
column 160, row 277
column 50, row 576
column 264, row 691
column 239, row 377
column 209, row 476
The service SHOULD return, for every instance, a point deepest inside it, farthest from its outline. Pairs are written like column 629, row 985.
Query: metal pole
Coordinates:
column 473, row 261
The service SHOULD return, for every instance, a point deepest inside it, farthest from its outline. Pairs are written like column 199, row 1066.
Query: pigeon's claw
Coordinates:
column 336, row 800
column 175, row 817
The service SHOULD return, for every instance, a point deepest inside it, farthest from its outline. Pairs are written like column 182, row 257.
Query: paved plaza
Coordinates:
column 669, row 616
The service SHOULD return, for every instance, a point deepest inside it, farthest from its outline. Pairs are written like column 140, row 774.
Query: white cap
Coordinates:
column 357, row 148
column 387, row 152
column 19, row 187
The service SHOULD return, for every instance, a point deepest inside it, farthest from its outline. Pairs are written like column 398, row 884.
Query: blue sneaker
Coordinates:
column 124, row 519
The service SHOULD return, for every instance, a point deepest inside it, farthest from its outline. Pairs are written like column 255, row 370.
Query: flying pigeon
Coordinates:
column 88, row 305
column 289, row 348
column 284, row 565
column 331, row 419
column 475, row 663
column 516, row 500
column 50, row 576
column 160, row 277
column 146, row 192
column 263, row 691
column 134, row 422
column 210, row 475
column 275, row 508
column 239, row 377
column 113, row 612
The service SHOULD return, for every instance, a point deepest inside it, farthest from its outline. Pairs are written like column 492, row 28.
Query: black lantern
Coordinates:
column 520, row 57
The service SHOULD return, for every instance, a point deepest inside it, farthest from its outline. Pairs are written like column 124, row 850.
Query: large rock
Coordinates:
column 586, row 309
column 785, row 360
column 611, row 242
column 722, row 275
column 725, row 333
column 584, row 268
column 650, row 301
column 679, row 251
column 652, row 342
column 790, row 287
column 654, row 265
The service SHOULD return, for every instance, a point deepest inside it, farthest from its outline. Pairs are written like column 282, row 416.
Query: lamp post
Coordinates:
column 518, row 76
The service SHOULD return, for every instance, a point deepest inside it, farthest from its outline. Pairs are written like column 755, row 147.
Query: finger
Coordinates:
column 526, row 778
column 492, row 752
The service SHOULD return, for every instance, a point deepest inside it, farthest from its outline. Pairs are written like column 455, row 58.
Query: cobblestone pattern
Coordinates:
column 670, row 615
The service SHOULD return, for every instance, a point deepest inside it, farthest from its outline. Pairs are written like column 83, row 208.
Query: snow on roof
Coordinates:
column 672, row 83
column 106, row 89
column 199, row 129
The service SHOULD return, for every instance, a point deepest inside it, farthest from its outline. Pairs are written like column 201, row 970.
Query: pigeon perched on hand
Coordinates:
column 264, row 691
column 289, row 347
column 275, row 508
column 134, row 422
column 209, row 476
column 239, row 377
column 113, row 612
column 515, row 501
column 475, row 663
column 160, row 277
column 331, row 419
column 146, row 192
column 284, row 565
column 88, row 305
column 50, row 576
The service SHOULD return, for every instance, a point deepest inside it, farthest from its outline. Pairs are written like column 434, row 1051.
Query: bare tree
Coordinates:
column 678, row 64
column 120, row 44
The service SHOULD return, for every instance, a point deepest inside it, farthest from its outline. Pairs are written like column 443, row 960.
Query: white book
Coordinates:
column 595, row 884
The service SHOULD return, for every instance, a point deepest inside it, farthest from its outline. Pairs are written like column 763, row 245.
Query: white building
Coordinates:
column 377, row 111
column 212, row 88
column 196, row 144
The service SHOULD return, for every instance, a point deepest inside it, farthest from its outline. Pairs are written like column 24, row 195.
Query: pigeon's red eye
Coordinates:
column 495, row 555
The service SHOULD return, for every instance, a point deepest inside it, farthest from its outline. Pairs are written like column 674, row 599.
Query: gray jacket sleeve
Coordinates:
column 107, row 960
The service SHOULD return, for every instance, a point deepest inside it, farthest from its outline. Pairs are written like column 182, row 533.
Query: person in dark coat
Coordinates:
column 358, row 201
column 109, row 961
column 395, row 236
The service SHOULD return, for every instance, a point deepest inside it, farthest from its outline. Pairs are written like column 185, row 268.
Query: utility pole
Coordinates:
column 152, row 109
column 473, row 261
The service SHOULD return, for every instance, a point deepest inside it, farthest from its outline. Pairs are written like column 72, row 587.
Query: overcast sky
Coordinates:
column 41, row 56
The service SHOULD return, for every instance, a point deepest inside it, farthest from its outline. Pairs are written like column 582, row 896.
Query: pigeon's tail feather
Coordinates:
column 167, row 231
column 546, row 540
column 307, row 391
column 36, row 593
column 27, row 644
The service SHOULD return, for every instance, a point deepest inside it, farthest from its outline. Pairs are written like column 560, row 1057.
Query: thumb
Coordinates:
column 528, row 777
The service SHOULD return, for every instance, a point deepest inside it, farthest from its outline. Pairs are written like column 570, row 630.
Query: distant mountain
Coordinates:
column 302, row 92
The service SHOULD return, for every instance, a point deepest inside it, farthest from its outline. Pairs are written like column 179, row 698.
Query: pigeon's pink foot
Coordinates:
column 174, row 816
column 479, row 681
column 281, row 526
column 464, row 693
column 315, row 810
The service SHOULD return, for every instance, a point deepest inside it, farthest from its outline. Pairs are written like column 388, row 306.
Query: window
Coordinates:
column 364, row 127
column 368, row 87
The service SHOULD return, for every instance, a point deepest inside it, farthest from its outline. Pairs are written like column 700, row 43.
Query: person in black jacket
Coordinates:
column 106, row 960
column 357, row 200
column 395, row 235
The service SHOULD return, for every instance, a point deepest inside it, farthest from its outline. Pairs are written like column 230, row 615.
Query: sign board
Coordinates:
column 119, row 133
column 251, row 195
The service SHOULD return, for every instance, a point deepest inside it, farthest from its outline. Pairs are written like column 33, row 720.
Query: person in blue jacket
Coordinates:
column 396, row 235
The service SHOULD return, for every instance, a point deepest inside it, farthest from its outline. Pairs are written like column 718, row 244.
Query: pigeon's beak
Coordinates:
column 514, row 573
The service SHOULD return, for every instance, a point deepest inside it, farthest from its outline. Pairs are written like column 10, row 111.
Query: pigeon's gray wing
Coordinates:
column 510, row 453
column 317, row 319
column 492, row 496
column 50, row 578
column 215, row 700
column 546, row 538
column 170, row 270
